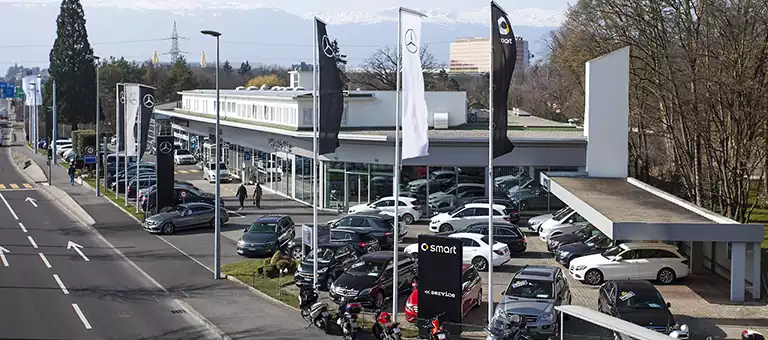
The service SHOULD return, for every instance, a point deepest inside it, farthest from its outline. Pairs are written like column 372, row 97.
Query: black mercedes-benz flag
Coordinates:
column 120, row 116
column 146, row 109
column 331, row 93
column 504, row 57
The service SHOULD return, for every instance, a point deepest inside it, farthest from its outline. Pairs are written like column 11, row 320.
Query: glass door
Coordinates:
column 357, row 189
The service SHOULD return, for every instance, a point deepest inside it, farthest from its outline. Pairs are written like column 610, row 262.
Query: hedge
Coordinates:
column 82, row 139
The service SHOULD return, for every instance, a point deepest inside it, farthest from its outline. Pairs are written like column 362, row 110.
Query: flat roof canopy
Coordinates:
column 626, row 209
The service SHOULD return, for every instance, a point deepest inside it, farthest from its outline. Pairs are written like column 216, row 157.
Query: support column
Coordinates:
column 756, row 274
column 697, row 258
column 738, row 270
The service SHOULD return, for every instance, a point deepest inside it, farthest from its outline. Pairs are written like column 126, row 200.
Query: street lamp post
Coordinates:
column 98, row 113
column 33, row 125
column 217, row 232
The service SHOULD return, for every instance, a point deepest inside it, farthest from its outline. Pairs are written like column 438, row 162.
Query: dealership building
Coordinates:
column 267, row 136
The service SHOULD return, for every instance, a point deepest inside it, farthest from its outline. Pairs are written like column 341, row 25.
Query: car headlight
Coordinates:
column 240, row 243
column 582, row 267
column 547, row 317
column 682, row 328
column 564, row 253
column 322, row 270
column 151, row 222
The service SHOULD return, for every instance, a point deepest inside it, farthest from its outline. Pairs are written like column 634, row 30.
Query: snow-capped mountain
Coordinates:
column 532, row 17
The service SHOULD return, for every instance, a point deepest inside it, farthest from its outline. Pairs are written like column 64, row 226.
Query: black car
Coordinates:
column 378, row 224
column 266, row 235
column 362, row 241
column 580, row 235
column 637, row 302
column 370, row 279
column 595, row 245
column 506, row 233
column 510, row 205
column 332, row 260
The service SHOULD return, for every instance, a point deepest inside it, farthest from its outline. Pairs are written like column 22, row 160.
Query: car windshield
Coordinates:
column 183, row 152
column 612, row 252
column 562, row 214
column 323, row 254
column 261, row 228
column 586, row 231
column 530, row 289
column 640, row 300
column 366, row 268
column 456, row 210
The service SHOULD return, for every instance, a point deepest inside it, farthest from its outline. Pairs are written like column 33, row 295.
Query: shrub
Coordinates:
column 270, row 271
column 276, row 257
column 268, row 261
column 287, row 264
column 82, row 139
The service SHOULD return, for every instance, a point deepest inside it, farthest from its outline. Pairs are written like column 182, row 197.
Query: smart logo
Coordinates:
column 436, row 248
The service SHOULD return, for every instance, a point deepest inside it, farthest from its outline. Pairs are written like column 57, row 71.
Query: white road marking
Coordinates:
column 31, row 240
column 82, row 316
column 45, row 260
column 61, row 284
column 2, row 256
column 22, row 227
column 31, row 200
column 78, row 248
column 185, row 254
column 9, row 207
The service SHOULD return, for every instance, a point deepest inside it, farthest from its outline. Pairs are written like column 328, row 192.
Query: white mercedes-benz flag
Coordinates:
column 132, row 106
column 415, row 125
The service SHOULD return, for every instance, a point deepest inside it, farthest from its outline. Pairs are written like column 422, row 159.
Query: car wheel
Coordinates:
column 212, row 223
column 296, row 253
column 480, row 263
column 377, row 300
column 446, row 227
column 408, row 218
column 666, row 276
column 168, row 228
column 593, row 277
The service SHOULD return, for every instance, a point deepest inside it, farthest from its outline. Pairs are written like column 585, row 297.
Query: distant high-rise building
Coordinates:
column 470, row 55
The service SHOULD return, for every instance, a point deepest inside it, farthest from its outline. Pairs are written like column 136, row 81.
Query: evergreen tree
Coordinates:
column 227, row 67
column 72, row 65
column 180, row 78
column 245, row 69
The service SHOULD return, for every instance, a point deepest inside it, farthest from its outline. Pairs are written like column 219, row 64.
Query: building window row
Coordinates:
column 284, row 115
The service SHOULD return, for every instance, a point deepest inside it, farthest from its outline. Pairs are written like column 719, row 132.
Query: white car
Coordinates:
column 535, row 222
column 475, row 250
column 209, row 172
column 466, row 215
column 181, row 156
column 69, row 155
column 566, row 215
column 632, row 261
column 60, row 150
column 562, row 228
column 409, row 208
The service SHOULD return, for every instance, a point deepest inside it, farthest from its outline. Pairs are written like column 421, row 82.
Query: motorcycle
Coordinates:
column 347, row 319
column 436, row 330
column 749, row 334
column 384, row 328
column 505, row 327
column 315, row 312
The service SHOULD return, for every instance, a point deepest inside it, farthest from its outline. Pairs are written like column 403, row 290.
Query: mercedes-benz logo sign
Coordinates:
column 90, row 150
column 122, row 97
column 132, row 98
column 327, row 47
column 410, row 41
column 503, row 26
column 148, row 100
column 166, row 147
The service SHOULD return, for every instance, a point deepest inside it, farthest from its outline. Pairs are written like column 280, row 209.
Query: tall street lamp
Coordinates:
column 33, row 114
column 217, row 233
column 98, row 113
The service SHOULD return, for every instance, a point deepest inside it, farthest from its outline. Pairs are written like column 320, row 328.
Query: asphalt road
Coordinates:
column 48, row 291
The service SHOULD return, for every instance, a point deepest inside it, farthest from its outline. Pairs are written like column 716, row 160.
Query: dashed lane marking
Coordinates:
column 61, row 284
column 81, row 316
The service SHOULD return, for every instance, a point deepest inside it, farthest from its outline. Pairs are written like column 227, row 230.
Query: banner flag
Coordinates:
column 147, row 108
column 331, row 93
column 415, row 115
column 504, row 58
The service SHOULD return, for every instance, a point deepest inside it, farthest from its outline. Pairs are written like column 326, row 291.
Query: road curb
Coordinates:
column 202, row 319
column 260, row 293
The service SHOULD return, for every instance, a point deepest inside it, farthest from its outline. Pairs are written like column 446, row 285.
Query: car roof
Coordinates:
column 537, row 273
column 382, row 256
column 404, row 199
column 468, row 235
column 484, row 205
column 270, row 218
column 649, row 245
column 495, row 224
column 634, row 285
column 377, row 214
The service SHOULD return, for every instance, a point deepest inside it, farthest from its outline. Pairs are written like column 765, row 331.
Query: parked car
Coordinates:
column 466, row 215
column 594, row 245
column 574, row 223
column 471, row 293
column 475, row 249
column 437, row 181
column 332, row 260
column 535, row 222
column 579, row 235
column 380, row 225
column 455, row 196
column 408, row 208
column 183, row 216
column 511, row 206
column 506, row 233
column 266, row 235
column 183, row 156
column 562, row 216
column 634, row 261
column 640, row 303
column 370, row 278
column 209, row 172
column 533, row 293
column 182, row 193
column 140, row 182
column 362, row 241
column 536, row 199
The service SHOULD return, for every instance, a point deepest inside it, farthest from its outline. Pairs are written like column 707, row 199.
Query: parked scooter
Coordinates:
column 505, row 327
column 384, row 328
column 749, row 334
column 347, row 319
column 315, row 312
column 436, row 330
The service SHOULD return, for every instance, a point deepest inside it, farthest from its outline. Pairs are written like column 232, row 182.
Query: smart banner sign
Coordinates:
column 165, row 171
column 440, row 262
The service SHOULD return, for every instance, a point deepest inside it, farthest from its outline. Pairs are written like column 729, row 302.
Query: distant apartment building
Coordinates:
column 470, row 55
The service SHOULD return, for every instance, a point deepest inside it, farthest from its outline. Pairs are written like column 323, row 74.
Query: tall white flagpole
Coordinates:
column 138, row 154
column 315, row 122
column 490, row 168
column 117, row 141
column 396, row 169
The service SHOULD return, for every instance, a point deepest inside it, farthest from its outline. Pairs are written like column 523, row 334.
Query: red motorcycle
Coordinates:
column 436, row 330
column 384, row 328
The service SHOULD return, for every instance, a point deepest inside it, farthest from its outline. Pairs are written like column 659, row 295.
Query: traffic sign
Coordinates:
column 90, row 150
column 90, row 159
column 19, row 92
column 7, row 90
column 247, row 155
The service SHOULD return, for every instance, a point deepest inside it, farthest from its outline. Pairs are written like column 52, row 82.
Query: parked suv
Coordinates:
column 332, row 260
column 533, row 293
column 632, row 261
column 266, row 235
column 182, row 193
column 362, row 241
column 511, row 206
column 370, row 278
column 506, row 233
column 471, row 293
column 409, row 208
column 466, row 215
column 209, row 172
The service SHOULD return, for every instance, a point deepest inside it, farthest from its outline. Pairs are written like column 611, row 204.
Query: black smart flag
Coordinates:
column 504, row 57
column 146, row 108
column 331, row 93
column 120, row 116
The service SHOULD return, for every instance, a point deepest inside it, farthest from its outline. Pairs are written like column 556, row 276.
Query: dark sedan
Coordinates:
column 370, row 279
column 580, row 235
column 361, row 240
column 266, row 235
column 380, row 225
column 639, row 303
column 332, row 261
column 595, row 245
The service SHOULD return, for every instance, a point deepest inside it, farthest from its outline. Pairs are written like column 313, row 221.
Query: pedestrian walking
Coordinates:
column 242, row 194
column 257, row 195
column 72, row 173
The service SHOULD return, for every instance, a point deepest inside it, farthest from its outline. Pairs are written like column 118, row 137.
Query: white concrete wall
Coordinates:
column 606, row 116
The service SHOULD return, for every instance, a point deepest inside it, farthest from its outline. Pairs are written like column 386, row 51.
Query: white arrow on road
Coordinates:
column 2, row 256
column 32, row 200
column 78, row 248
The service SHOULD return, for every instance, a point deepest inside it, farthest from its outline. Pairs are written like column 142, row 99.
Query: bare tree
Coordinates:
column 379, row 71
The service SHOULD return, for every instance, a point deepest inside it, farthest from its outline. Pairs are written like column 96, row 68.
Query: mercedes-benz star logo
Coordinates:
column 149, row 101
column 327, row 47
column 166, row 147
column 90, row 150
column 410, row 41
column 122, row 97
column 132, row 98
column 503, row 26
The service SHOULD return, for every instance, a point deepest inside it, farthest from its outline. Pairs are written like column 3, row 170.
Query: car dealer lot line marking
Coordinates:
column 45, row 260
column 82, row 316
column 9, row 207
column 31, row 240
column 22, row 227
column 61, row 284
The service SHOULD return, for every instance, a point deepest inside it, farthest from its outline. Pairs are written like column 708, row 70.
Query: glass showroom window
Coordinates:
column 304, row 180
column 334, row 185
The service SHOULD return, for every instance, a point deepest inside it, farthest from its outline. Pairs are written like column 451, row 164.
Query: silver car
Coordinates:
column 184, row 216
